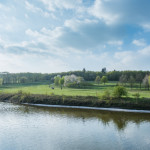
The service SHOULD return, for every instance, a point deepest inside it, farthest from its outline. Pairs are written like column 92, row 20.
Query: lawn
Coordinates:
column 94, row 90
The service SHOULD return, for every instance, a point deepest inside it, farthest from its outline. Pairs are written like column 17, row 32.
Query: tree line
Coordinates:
column 15, row 78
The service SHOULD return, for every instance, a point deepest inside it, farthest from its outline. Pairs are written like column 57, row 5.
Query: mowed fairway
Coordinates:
column 94, row 90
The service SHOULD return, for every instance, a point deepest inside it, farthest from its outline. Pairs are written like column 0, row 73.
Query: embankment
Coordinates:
column 89, row 101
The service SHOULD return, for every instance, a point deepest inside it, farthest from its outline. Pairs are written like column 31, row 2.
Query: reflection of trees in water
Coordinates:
column 120, row 119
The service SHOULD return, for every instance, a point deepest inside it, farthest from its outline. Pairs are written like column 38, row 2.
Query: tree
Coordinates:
column 119, row 91
column 98, row 79
column 1, row 81
column 139, row 78
column 23, row 79
column 104, row 79
column 103, row 70
column 80, row 79
column 84, row 70
column 61, row 82
column 146, row 81
column 76, row 80
column 56, row 80
column 123, row 79
column 131, row 81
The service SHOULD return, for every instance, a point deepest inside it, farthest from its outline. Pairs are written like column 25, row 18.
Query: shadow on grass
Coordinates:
column 100, row 87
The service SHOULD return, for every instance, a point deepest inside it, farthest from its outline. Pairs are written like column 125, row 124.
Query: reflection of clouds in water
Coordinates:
column 136, row 134
column 61, row 128
column 119, row 119
column 147, row 141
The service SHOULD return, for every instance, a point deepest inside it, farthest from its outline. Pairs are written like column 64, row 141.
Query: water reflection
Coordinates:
column 120, row 119
column 36, row 128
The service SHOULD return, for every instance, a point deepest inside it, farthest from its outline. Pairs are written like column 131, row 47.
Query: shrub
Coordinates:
column 52, row 94
column 119, row 91
column 79, row 85
column 136, row 95
column 106, row 95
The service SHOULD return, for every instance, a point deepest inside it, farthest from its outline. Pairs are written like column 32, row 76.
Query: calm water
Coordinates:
column 37, row 128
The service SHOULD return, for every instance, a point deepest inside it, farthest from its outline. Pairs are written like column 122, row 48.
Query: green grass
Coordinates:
column 94, row 90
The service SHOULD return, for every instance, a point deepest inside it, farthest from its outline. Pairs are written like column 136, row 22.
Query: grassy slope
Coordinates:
column 43, row 88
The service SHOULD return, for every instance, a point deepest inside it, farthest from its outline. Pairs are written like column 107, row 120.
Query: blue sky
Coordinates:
column 63, row 35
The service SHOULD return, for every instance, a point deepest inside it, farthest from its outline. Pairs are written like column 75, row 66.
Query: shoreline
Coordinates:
column 91, row 102
column 88, row 108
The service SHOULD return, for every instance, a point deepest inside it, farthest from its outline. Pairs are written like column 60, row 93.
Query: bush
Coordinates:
column 78, row 85
column 136, row 95
column 119, row 91
column 106, row 95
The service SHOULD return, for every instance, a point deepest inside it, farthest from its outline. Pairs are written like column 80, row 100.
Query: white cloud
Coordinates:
column 87, row 34
column 140, row 42
column 134, row 60
column 100, row 11
column 125, row 57
column 52, row 5
column 35, row 9
column 146, row 26
column 19, row 63
column 121, row 12
column 4, row 8
column 145, row 51
column 117, row 43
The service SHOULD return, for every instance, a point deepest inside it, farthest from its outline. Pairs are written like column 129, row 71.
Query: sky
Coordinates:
column 62, row 35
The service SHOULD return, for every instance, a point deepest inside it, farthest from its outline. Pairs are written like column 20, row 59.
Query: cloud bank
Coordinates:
column 54, row 36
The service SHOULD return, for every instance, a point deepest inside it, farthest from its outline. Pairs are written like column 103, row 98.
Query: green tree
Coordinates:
column 123, row 79
column 119, row 91
column 139, row 78
column 61, row 82
column 56, row 80
column 104, row 79
column 1, row 81
column 23, row 79
column 98, row 79
column 131, row 81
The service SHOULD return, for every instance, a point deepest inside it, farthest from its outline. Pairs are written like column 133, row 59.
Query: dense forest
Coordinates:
column 15, row 78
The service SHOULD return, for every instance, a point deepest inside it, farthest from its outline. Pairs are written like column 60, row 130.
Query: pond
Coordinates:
column 45, row 128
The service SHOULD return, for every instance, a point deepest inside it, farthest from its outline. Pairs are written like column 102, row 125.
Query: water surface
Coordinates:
column 41, row 128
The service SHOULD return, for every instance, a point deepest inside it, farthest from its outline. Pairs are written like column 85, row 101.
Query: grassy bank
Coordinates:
column 92, row 96
column 90, row 101
column 93, row 90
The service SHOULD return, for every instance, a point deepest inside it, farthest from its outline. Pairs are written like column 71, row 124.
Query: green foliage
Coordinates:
column 15, row 78
column 86, row 89
column 123, row 79
column 98, row 79
column 104, row 80
column 139, row 78
column 1, row 81
column 106, row 95
column 52, row 94
column 131, row 81
column 146, row 81
column 23, row 79
column 136, row 95
column 79, row 85
column 61, row 82
column 119, row 91
column 56, row 80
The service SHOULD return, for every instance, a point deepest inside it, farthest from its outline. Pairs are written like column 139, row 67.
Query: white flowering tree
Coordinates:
column 146, row 81
column 72, row 79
